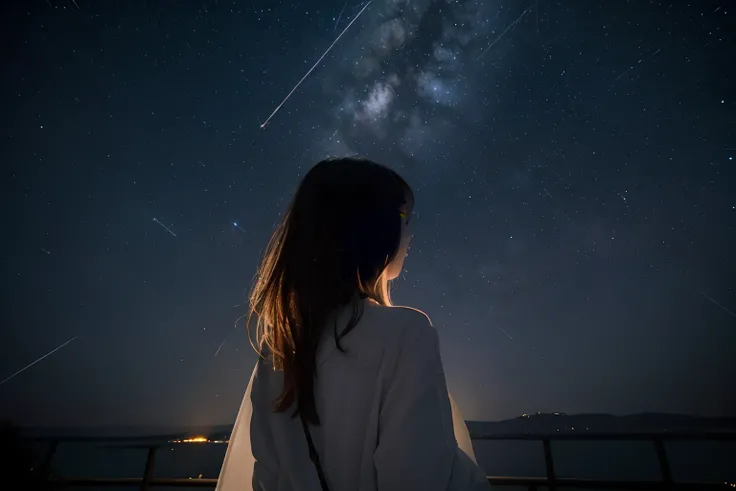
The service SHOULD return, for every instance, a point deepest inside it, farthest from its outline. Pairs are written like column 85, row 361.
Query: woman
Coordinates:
column 348, row 392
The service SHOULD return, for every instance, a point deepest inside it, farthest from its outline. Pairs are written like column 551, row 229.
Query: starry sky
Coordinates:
column 575, row 225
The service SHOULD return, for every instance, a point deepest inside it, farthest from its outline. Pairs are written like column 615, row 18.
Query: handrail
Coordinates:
column 549, row 481
column 577, row 435
column 629, row 437
column 108, row 439
column 527, row 482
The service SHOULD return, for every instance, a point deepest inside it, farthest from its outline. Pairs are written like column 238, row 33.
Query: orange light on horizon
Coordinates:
column 194, row 439
column 199, row 439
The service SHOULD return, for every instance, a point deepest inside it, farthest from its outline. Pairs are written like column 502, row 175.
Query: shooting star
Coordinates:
column 504, row 32
column 235, row 224
column 46, row 251
column 340, row 16
column 37, row 360
column 220, row 347
column 718, row 304
column 164, row 226
column 263, row 125
column 509, row 335
column 235, row 326
column 626, row 71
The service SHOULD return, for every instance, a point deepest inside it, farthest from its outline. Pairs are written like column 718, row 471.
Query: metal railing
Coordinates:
column 549, row 481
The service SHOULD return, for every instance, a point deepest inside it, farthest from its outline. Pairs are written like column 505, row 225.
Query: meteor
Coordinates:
column 37, row 360
column 263, row 125
column 340, row 16
column 164, row 226
column 504, row 32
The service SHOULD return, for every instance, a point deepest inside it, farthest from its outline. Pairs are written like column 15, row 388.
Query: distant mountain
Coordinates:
column 533, row 424
column 553, row 423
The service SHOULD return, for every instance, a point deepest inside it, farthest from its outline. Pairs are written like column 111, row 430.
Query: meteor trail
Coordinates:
column 503, row 331
column 340, row 16
column 263, row 125
column 164, row 226
column 504, row 32
column 220, row 347
column 37, row 360
column 718, row 304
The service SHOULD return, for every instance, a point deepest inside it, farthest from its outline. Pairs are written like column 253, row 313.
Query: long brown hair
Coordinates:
column 331, row 249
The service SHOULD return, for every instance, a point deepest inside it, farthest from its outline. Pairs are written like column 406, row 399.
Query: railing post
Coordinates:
column 664, row 465
column 43, row 471
column 549, row 464
column 150, row 464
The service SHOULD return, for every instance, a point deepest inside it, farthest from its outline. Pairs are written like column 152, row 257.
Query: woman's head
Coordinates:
column 344, row 237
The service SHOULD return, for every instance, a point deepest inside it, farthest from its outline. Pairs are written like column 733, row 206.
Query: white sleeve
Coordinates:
column 416, row 448
column 236, row 473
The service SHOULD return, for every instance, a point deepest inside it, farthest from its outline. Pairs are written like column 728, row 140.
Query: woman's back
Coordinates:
column 376, row 406
column 386, row 419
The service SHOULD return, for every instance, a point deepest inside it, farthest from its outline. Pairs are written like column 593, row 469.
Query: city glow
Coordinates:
column 194, row 439
column 200, row 439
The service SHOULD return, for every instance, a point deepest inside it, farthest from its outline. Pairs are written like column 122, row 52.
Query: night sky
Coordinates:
column 575, row 230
